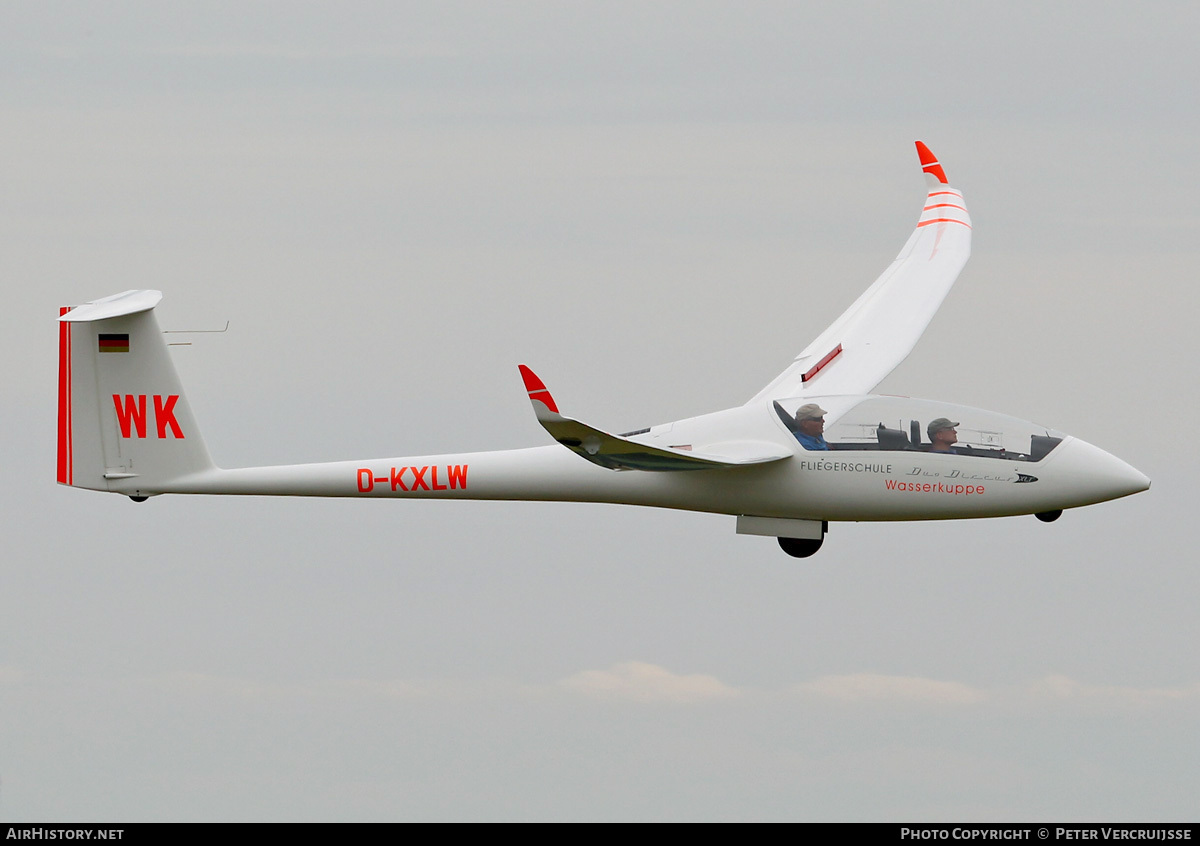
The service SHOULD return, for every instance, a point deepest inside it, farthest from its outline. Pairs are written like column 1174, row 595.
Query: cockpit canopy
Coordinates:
column 902, row 423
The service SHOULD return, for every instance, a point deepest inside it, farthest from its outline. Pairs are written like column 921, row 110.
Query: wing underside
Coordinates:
column 882, row 326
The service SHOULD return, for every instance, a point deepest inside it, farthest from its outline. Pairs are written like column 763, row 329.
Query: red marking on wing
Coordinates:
column 943, row 220
column 944, row 206
column 537, row 389
column 929, row 163
column 816, row 368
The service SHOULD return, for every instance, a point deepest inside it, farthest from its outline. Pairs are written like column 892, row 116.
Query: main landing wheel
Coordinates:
column 801, row 547
column 1049, row 516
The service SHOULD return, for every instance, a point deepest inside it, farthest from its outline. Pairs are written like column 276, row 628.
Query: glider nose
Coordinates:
column 1098, row 476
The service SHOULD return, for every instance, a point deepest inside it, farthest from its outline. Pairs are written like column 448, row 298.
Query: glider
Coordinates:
column 812, row 447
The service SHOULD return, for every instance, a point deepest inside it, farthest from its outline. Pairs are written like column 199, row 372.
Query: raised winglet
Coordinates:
column 537, row 391
column 931, row 166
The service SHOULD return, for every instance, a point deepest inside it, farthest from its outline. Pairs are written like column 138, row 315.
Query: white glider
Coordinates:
column 813, row 446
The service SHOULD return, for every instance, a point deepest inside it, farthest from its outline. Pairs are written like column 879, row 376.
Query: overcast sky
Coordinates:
column 655, row 206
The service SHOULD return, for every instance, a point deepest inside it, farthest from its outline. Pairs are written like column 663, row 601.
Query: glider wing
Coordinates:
column 883, row 325
column 620, row 452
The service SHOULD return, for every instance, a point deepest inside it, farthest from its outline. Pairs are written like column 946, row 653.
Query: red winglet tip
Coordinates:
column 532, row 382
column 537, row 388
column 929, row 163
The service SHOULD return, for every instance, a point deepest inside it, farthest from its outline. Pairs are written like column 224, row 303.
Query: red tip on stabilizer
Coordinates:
column 929, row 163
column 537, row 388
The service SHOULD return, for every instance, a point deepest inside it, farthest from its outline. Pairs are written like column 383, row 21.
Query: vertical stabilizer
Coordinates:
column 124, row 424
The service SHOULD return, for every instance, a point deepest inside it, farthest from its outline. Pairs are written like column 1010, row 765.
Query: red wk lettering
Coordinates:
column 416, row 478
column 131, row 415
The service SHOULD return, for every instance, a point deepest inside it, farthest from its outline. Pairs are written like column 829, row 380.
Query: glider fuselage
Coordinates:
column 851, row 481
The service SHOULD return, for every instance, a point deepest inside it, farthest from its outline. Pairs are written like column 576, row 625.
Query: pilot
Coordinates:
column 942, row 434
column 810, row 426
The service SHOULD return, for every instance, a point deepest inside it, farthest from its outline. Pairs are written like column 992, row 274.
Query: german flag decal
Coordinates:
column 114, row 343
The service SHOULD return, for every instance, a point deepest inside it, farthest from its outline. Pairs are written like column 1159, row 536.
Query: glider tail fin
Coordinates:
column 124, row 424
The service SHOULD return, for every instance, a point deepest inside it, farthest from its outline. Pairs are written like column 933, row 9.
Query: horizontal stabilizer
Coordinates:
column 621, row 453
column 118, row 305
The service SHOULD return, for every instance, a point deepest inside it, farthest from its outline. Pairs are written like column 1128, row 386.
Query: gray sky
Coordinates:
column 655, row 206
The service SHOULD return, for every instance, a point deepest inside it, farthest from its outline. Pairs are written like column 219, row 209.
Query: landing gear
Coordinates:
column 139, row 498
column 1049, row 516
column 800, row 547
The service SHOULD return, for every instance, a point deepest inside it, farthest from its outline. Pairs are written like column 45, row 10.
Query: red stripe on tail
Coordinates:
column 65, row 474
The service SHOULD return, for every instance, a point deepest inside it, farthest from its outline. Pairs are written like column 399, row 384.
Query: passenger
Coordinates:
column 810, row 426
column 943, row 435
